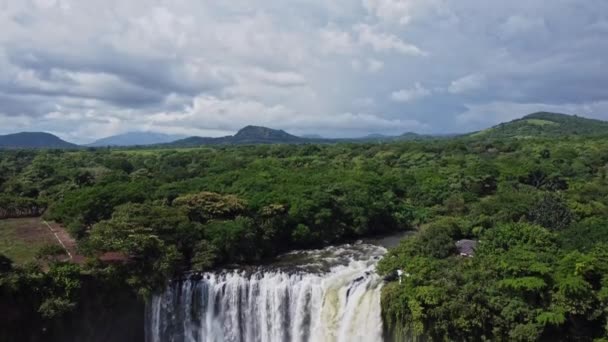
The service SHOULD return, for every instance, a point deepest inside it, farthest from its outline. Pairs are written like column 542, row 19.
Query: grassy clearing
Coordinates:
column 482, row 133
column 20, row 239
column 539, row 122
column 151, row 151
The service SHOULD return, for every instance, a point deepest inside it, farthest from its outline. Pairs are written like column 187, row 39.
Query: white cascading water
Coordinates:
column 328, row 295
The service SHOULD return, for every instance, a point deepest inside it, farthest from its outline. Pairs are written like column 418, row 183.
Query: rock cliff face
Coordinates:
column 106, row 313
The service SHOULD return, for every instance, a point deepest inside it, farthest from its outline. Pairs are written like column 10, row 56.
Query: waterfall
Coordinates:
column 329, row 295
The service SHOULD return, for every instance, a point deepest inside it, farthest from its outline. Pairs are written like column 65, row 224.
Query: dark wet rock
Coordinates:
column 393, row 276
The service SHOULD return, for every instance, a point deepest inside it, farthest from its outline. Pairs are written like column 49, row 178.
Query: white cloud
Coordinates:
column 408, row 95
column 364, row 102
column 279, row 78
column 212, row 116
column 374, row 65
column 334, row 40
column 88, row 68
column 394, row 10
column 517, row 25
column 404, row 12
column 467, row 83
column 383, row 42
column 229, row 114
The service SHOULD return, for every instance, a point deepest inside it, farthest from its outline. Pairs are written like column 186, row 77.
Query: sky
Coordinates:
column 86, row 69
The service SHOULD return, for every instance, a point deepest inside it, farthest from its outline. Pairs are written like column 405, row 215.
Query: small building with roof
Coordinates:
column 466, row 248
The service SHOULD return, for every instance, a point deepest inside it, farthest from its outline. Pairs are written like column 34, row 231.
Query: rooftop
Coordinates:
column 466, row 247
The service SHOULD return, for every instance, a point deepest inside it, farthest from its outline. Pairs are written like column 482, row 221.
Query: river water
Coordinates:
column 326, row 295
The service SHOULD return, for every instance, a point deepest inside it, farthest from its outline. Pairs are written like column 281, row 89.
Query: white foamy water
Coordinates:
column 325, row 295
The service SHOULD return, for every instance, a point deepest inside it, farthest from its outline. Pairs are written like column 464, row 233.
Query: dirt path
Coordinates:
column 66, row 241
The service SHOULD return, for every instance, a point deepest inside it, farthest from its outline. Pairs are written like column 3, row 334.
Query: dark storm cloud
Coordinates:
column 13, row 105
column 151, row 79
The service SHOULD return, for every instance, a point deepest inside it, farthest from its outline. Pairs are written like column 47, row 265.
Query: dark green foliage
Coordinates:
column 51, row 293
column 519, row 286
column 6, row 264
column 205, row 256
column 551, row 212
column 584, row 235
column 92, row 204
column 536, row 206
column 435, row 241
column 235, row 240
column 50, row 251
column 14, row 207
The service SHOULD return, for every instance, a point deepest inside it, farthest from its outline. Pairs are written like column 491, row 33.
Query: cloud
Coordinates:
column 410, row 12
column 516, row 25
column 397, row 10
column 407, row 95
column 364, row 35
column 227, row 115
column 84, row 69
column 364, row 102
column 374, row 65
column 279, row 78
column 466, row 84
column 334, row 40
column 401, row 12
column 382, row 42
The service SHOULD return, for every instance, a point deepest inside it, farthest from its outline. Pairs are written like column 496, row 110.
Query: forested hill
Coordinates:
column 33, row 140
column 544, row 124
column 136, row 139
column 247, row 135
column 540, row 124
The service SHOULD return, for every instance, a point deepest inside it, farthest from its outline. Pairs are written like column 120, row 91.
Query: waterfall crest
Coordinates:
column 325, row 295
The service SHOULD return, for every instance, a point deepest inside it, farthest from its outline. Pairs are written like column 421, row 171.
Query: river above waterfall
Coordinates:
column 325, row 295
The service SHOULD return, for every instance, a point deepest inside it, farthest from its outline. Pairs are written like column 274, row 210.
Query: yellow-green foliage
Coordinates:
column 539, row 122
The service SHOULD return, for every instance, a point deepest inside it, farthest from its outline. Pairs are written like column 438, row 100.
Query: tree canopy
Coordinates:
column 536, row 206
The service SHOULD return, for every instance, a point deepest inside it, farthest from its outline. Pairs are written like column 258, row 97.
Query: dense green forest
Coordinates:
column 537, row 206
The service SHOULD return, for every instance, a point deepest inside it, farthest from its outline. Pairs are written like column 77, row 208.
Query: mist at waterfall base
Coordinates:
column 326, row 295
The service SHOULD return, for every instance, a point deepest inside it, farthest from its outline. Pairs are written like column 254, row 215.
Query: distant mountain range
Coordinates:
column 264, row 135
column 311, row 136
column 135, row 139
column 540, row 124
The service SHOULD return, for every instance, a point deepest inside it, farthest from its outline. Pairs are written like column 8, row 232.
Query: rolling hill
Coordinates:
column 408, row 136
column 135, row 139
column 34, row 140
column 544, row 124
column 264, row 135
column 247, row 135
column 541, row 124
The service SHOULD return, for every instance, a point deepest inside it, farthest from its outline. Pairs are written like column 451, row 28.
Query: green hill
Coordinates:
column 33, row 140
column 247, row 135
column 544, row 124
